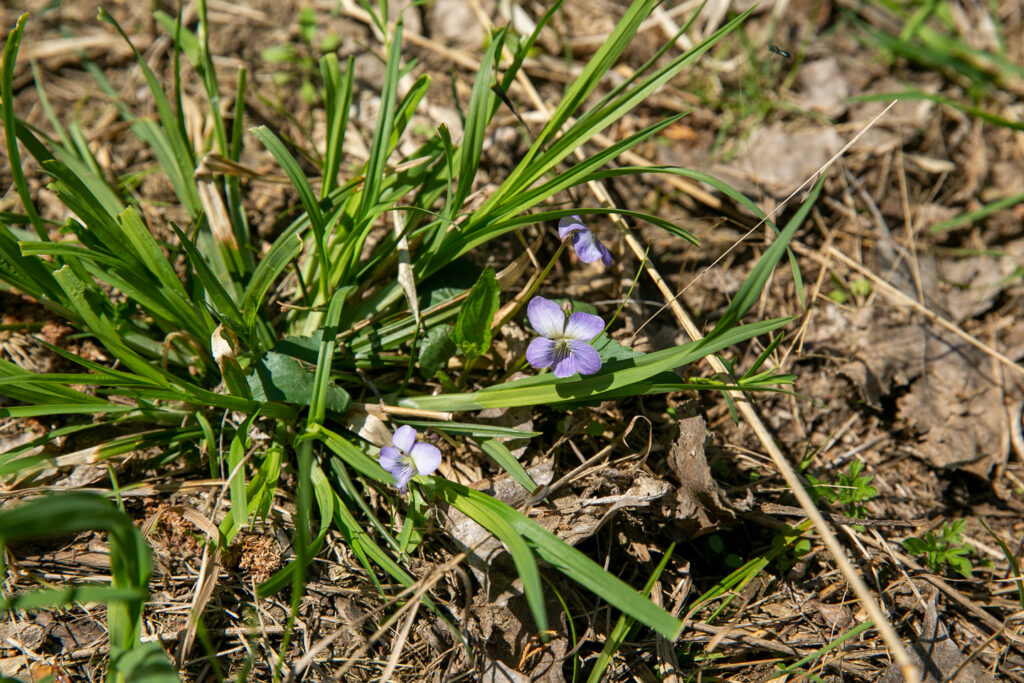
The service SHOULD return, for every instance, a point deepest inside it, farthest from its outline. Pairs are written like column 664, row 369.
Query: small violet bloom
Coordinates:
column 587, row 246
column 405, row 458
column 563, row 344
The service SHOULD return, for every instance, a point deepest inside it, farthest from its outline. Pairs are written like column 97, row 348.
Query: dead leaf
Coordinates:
column 957, row 407
column 834, row 617
column 885, row 357
column 700, row 503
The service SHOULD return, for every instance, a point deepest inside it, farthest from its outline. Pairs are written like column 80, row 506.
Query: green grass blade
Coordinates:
column 624, row 624
column 130, row 561
column 68, row 595
column 297, row 178
column 970, row 217
column 477, row 431
column 978, row 112
column 1011, row 559
column 178, row 159
column 376, row 165
column 204, row 65
column 493, row 519
column 580, row 172
column 29, row 274
column 145, row 663
column 10, row 54
column 223, row 304
column 337, row 103
column 752, row 287
column 65, row 409
column 852, row 633
column 236, row 485
column 272, row 265
column 99, row 324
column 565, row 558
column 318, row 402
column 616, row 375
column 503, row 456
column 577, row 93
column 478, row 114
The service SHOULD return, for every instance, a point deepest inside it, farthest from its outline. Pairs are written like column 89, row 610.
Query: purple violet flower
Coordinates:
column 587, row 246
column 405, row 458
column 562, row 344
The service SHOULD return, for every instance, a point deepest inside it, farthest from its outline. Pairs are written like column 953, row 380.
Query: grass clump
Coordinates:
column 266, row 364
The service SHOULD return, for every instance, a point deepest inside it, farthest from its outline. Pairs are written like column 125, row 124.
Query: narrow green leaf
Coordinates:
column 222, row 302
column 236, row 485
column 503, row 456
column 322, row 388
column 496, row 520
column 614, row 376
column 295, row 175
column 624, row 625
column 30, row 274
column 564, row 558
column 337, row 103
column 69, row 595
column 478, row 114
column 753, row 286
column 10, row 54
column 376, row 165
column 272, row 264
column 99, row 324
column 70, row 409
column 148, row 251
column 477, row 431
column 145, row 663
column 970, row 217
column 168, row 140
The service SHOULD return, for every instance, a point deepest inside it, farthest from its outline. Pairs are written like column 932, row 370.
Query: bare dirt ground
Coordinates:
column 906, row 352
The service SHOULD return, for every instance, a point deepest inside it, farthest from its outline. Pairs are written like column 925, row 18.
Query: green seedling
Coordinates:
column 945, row 548
column 850, row 491
column 790, row 546
column 298, row 61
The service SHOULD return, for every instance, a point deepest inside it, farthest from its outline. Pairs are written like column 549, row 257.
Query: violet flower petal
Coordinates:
column 402, row 476
column 546, row 317
column 586, row 358
column 426, row 457
column 540, row 352
column 404, row 438
column 586, row 246
column 590, row 249
column 390, row 458
column 564, row 363
column 583, row 326
column 568, row 225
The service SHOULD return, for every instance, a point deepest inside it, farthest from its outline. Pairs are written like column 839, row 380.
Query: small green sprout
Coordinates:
column 300, row 62
column 850, row 490
column 791, row 546
column 947, row 548
column 858, row 289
